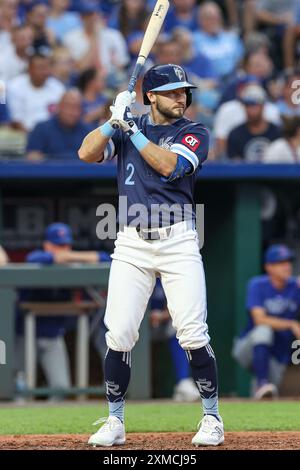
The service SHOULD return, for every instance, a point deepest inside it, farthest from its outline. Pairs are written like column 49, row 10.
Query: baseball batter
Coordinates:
column 158, row 156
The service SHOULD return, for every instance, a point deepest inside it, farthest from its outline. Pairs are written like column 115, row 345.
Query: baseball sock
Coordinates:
column 204, row 371
column 117, row 367
column 261, row 358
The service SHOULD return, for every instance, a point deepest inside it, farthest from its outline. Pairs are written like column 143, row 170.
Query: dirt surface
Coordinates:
column 155, row 441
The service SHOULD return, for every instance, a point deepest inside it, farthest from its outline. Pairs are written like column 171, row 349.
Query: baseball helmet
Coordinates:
column 164, row 78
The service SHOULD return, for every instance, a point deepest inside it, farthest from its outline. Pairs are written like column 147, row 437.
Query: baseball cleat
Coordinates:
column 112, row 433
column 265, row 391
column 186, row 390
column 211, row 432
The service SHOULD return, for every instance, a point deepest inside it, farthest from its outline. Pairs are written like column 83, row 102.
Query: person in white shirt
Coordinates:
column 287, row 149
column 33, row 97
column 14, row 59
column 232, row 114
column 96, row 45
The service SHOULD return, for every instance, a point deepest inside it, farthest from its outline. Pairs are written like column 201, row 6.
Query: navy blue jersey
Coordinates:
column 141, row 184
column 283, row 304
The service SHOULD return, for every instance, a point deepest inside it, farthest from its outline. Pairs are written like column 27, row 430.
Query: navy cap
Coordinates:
column 59, row 234
column 253, row 94
column 247, row 80
column 278, row 253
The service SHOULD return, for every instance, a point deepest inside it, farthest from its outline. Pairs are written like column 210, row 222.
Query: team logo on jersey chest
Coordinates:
column 191, row 141
column 165, row 142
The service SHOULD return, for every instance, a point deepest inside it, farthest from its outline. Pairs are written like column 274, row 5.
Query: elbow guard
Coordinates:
column 183, row 167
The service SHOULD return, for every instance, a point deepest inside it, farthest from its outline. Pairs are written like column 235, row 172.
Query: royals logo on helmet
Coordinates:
column 191, row 141
column 179, row 72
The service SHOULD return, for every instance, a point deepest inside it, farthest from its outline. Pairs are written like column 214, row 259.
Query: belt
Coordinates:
column 154, row 234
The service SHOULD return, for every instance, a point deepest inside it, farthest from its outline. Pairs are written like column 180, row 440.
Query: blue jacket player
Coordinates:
column 158, row 157
column 273, row 303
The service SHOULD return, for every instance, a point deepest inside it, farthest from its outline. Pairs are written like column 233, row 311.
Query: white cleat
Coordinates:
column 112, row 433
column 186, row 390
column 211, row 432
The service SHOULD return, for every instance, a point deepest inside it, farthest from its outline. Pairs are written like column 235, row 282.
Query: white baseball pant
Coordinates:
column 135, row 266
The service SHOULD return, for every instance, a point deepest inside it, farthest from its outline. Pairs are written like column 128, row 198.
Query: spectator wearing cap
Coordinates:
column 50, row 330
column 36, row 18
column 96, row 45
column 232, row 114
column 32, row 97
column 222, row 48
column 14, row 59
column 273, row 302
column 60, row 21
column 250, row 140
column 286, row 149
column 60, row 136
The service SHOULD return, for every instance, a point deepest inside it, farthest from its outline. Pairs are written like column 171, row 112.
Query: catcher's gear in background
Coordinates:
column 165, row 78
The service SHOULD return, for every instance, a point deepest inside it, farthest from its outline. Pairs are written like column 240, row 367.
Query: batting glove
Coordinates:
column 124, row 99
column 126, row 123
column 117, row 114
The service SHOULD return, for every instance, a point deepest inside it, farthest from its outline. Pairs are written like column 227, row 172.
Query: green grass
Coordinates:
column 141, row 417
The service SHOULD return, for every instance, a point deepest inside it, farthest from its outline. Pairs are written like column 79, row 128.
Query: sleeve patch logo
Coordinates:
column 191, row 141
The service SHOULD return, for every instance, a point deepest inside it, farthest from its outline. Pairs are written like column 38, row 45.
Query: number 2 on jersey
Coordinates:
column 129, row 179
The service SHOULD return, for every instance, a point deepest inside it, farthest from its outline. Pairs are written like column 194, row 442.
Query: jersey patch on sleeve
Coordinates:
column 191, row 141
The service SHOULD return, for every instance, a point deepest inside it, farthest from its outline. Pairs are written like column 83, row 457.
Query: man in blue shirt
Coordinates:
column 223, row 49
column 59, row 137
column 50, row 330
column 159, row 155
column 273, row 302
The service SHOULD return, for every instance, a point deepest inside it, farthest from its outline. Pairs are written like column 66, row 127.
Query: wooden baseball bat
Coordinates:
column 151, row 34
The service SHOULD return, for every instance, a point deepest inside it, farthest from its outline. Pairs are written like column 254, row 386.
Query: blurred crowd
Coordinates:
column 63, row 61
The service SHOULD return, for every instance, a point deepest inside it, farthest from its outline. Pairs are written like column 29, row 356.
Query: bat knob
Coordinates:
column 115, row 126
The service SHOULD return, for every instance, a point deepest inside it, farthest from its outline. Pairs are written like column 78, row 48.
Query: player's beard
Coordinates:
column 175, row 113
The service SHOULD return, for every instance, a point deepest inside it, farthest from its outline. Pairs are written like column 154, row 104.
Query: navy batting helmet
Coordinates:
column 164, row 78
